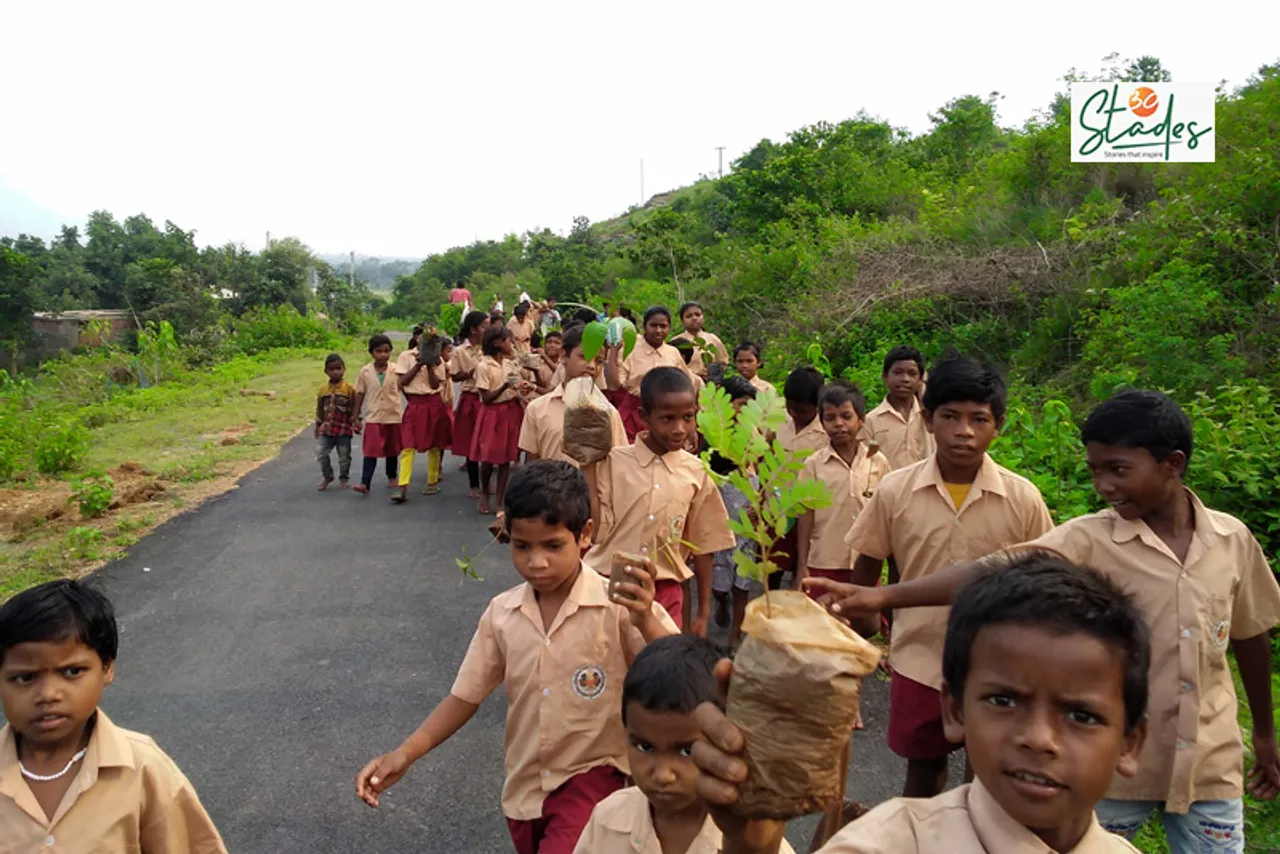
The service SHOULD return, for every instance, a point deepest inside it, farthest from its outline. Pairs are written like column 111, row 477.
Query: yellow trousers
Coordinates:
column 434, row 457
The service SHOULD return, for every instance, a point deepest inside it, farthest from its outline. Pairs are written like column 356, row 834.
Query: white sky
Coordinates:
column 405, row 128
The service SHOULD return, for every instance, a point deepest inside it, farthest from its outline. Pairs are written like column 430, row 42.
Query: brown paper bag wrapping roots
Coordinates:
column 794, row 693
column 588, row 422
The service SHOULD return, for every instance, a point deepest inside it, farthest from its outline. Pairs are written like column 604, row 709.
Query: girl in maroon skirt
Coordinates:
column 426, row 425
column 496, row 440
column 378, row 391
column 462, row 369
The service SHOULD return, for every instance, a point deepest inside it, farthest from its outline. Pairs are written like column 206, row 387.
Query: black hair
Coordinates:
column 551, row 490
column 535, row 340
column 675, row 673
column 685, row 307
column 377, row 341
column 586, row 315
column 1043, row 591
column 654, row 311
column 624, row 311
column 685, row 349
column 1140, row 419
column 470, row 323
column 963, row 379
column 839, row 392
column 571, row 338
column 737, row 387
column 496, row 317
column 747, row 345
column 57, row 611
column 493, row 336
column 902, row 353
column 333, row 359
column 660, row 381
column 803, row 385
column 554, row 333
column 522, row 309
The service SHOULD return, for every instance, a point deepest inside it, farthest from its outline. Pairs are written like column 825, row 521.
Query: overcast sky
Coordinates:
column 405, row 128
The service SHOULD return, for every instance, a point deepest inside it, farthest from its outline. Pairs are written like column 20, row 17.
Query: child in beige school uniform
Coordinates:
column 378, row 389
column 897, row 427
column 561, row 646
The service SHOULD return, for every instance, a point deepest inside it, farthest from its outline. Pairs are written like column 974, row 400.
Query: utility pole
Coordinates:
column 352, row 268
column 641, row 182
column 720, row 149
column 268, row 240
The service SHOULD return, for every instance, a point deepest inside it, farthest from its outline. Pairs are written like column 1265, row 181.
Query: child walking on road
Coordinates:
column 335, row 422
column 426, row 425
column 378, row 386
column 496, row 442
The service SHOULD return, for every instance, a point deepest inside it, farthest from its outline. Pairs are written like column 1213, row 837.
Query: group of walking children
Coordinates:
column 1087, row 699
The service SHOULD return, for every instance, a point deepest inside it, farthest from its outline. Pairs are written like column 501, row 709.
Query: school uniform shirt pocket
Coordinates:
column 1215, row 627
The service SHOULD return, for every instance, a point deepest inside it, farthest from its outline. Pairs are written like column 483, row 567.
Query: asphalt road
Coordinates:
column 277, row 638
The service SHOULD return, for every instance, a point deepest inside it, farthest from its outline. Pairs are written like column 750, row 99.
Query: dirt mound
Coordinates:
column 129, row 469
column 21, row 510
column 137, row 493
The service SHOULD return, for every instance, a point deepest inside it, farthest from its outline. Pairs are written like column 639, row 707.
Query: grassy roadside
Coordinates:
column 161, row 462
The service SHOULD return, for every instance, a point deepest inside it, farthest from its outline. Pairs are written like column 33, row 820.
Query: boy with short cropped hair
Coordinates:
column 653, row 497
column 542, row 431
column 1202, row 582
column 561, row 647
column 1046, row 683
column 661, row 813
column 802, row 431
column 335, row 422
column 522, row 327
column 956, row 505
column 850, row 473
column 897, row 426
column 70, row 779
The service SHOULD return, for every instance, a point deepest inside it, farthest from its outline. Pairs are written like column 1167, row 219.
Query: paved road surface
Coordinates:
column 282, row 637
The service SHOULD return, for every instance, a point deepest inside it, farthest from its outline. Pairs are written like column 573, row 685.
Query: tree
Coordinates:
column 284, row 272
column 1146, row 69
column 105, row 258
column 19, row 295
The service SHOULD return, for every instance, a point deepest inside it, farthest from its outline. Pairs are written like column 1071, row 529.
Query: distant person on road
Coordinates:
column 335, row 422
column 378, row 385
column 461, row 294
column 559, row 644
column 109, row 790
column 462, row 369
column 426, row 426
column 495, row 443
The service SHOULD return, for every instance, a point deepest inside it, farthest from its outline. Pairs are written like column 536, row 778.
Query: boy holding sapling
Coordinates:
column 1045, row 680
column 957, row 505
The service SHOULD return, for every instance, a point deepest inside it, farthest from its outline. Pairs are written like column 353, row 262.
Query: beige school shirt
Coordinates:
column 557, row 376
column 903, row 440
column 465, row 358
column 382, row 401
column 698, row 363
column 1223, row 591
column 644, row 359
column 522, row 333
column 421, row 383
column 127, row 797
column 964, row 820
column 851, row 488
column 542, row 431
column 644, row 498
column 762, row 386
column 810, row 438
column 491, row 374
column 912, row 518
column 563, row 685
column 622, row 824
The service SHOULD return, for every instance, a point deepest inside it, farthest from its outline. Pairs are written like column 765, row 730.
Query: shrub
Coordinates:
column 93, row 493
column 264, row 329
column 61, row 448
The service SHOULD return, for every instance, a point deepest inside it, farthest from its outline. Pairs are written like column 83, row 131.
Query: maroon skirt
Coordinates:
column 497, row 435
column 382, row 440
column 426, row 423
column 464, row 423
column 628, row 406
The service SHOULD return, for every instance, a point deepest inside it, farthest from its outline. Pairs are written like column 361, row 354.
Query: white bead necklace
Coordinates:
column 45, row 778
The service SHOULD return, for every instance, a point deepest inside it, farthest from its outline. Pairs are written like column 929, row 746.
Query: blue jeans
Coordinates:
column 1209, row 827
column 325, row 447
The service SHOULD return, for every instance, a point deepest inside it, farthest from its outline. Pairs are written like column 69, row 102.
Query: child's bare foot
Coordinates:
column 392, row 484
column 857, row 722
column 324, row 484
column 401, row 496
column 360, row 488
column 473, row 495
column 484, row 508
column 885, row 667
column 463, row 466
column 344, row 484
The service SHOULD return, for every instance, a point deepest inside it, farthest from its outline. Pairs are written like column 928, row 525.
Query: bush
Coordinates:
column 61, row 448
column 93, row 493
column 264, row 329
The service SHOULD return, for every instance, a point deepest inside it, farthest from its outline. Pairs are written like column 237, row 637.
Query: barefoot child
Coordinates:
column 496, row 441
column 746, row 361
column 653, row 497
column 542, row 431
column 426, row 425
column 462, row 369
column 851, row 473
column 377, row 385
column 70, row 779
column 335, row 422
column 1045, row 681
column 661, row 813
column 1202, row 583
column 623, row 377
column 897, row 426
column 957, row 505
column 561, row 648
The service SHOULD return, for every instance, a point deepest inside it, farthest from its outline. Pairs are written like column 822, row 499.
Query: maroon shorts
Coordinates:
column 464, row 422
column 915, row 721
column 426, row 423
column 497, row 435
column 670, row 595
column 565, row 812
column 844, row 576
column 628, row 406
column 382, row 440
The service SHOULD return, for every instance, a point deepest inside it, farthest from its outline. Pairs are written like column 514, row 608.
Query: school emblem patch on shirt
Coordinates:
column 1221, row 635
column 589, row 681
